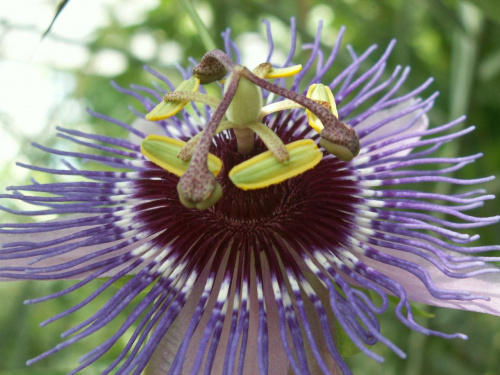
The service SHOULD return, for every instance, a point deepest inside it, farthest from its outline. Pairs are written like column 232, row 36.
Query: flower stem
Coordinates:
column 463, row 68
column 205, row 36
column 416, row 346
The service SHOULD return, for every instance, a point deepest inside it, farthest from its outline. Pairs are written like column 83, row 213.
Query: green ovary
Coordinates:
column 246, row 104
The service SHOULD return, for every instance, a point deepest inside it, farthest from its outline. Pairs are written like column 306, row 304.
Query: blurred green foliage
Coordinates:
column 456, row 42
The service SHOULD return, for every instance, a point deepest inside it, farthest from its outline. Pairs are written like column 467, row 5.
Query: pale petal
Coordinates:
column 316, row 328
column 164, row 354
column 278, row 361
column 145, row 126
column 486, row 285
column 42, row 236
column 421, row 124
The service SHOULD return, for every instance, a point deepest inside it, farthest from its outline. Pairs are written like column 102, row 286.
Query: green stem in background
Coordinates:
column 416, row 347
column 16, row 326
column 205, row 36
column 403, row 25
column 463, row 71
column 464, row 58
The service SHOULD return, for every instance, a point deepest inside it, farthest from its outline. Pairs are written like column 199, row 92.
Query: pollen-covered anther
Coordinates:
column 176, row 100
column 324, row 104
column 267, row 71
column 337, row 138
column 163, row 152
column 283, row 72
column 187, row 96
column 262, row 70
column 264, row 169
column 322, row 95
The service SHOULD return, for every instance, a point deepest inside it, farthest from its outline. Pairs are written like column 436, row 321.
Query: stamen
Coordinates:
column 323, row 96
column 166, row 109
column 262, row 69
column 191, row 96
column 267, row 71
column 163, row 151
column 283, row 72
column 282, row 105
column 264, row 170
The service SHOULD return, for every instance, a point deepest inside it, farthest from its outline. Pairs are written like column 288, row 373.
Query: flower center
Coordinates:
column 250, row 207
column 242, row 105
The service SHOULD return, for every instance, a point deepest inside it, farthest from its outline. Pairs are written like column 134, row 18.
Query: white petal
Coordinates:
column 484, row 285
column 164, row 354
column 385, row 131
column 145, row 126
column 43, row 236
column 278, row 361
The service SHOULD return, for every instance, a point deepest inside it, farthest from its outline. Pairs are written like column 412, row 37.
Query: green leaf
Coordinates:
column 418, row 309
column 122, row 281
column 344, row 343
column 118, row 283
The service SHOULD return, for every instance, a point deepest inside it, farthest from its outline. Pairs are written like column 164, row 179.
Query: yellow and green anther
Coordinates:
column 283, row 72
column 322, row 95
column 264, row 169
column 166, row 109
column 163, row 152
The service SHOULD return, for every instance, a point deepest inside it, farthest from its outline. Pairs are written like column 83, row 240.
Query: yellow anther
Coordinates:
column 264, row 170
column 166, row 109
column 323, row 95
column 163, row 152
column 283, row 72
